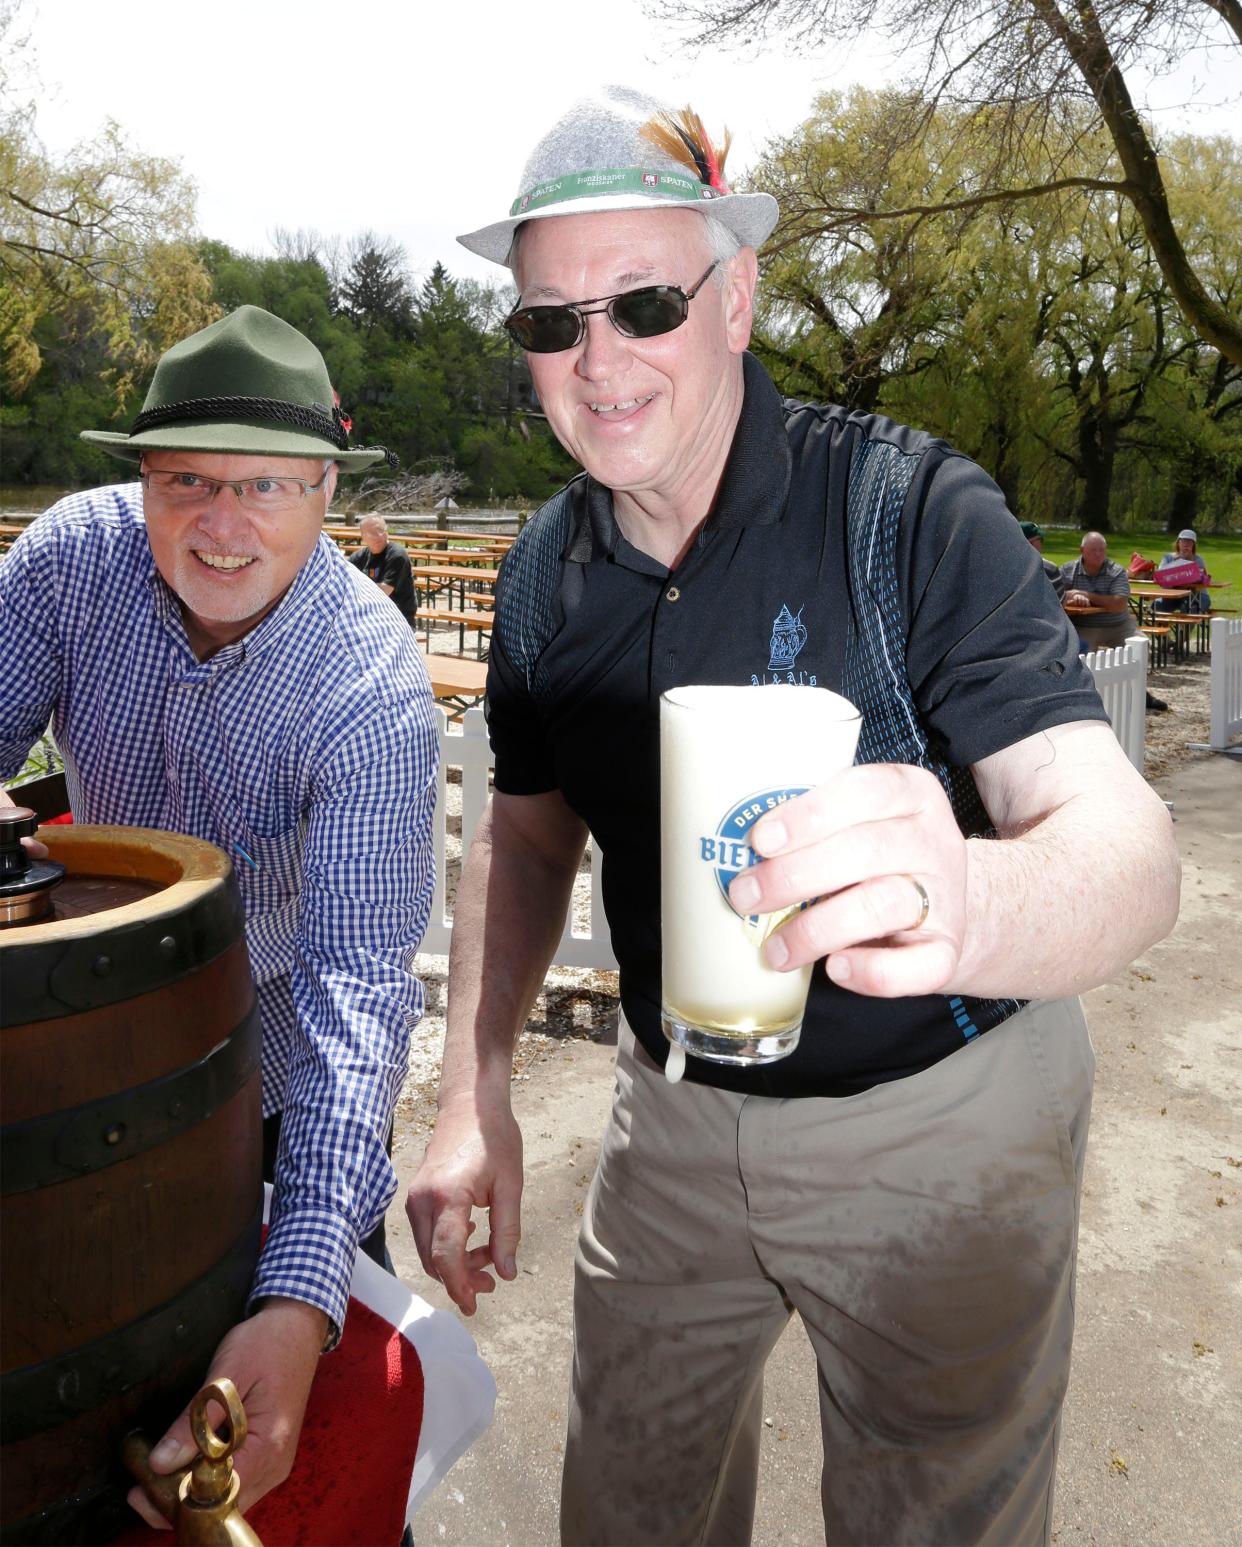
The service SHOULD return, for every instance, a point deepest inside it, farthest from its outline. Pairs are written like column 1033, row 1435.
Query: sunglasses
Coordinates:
column 644, row 313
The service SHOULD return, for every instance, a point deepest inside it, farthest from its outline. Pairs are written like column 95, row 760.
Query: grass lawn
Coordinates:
column 1222, row 555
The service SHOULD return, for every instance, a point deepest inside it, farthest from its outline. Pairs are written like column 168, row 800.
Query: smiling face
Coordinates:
column 653, row 418
column 230, row 566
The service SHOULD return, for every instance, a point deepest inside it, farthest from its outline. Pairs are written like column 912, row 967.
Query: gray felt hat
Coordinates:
column 597, row 159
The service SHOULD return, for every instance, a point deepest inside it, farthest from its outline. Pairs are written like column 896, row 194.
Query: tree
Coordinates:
column 375, row 289
column 100, row 239
column 841, row 313
column 1040, row 337
column 1034, row 60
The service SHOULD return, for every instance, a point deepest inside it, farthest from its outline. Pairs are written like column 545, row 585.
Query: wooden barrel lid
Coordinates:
column 141, row 908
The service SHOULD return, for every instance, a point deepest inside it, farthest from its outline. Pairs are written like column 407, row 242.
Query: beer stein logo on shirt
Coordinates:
column 728, row 851
column 788, row 638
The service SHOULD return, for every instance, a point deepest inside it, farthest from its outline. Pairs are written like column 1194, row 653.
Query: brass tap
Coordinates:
column 200, row 1502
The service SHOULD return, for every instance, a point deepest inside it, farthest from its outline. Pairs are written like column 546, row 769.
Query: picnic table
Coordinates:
column 441, row 577
column 479, row 621
column 457, row 542
column 455, row 679
column 1144, row 591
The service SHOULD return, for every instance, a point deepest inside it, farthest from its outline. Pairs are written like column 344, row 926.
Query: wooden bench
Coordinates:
column 1204, row 620
column 1189, row 625
column 1159, row 637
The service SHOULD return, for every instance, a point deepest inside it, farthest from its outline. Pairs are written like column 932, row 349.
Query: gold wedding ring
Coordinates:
column 924, row 903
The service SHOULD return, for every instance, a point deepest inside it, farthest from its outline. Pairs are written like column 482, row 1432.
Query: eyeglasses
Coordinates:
column 185, row 490
column 643, row 313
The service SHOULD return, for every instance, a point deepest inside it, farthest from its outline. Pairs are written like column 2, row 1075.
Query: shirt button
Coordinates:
column 671, row 594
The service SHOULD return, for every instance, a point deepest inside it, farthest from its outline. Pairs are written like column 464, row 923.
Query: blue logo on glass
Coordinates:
column 728, row 849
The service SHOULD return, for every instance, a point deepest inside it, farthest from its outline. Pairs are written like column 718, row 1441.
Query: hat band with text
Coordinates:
column 659, row 182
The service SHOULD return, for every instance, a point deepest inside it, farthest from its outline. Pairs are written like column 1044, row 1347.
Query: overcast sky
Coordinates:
column 412, row 118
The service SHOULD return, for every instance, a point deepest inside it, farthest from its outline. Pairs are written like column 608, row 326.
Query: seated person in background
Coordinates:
column 1035, row 536
column 1095, row 580
column 1186, row 552
column 387, row 564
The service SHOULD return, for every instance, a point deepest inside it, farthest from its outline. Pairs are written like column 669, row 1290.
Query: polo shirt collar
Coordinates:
column 753, row 490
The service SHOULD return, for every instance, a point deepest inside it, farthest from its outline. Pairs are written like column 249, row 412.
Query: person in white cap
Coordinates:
column 908, row 1178
column 1186, row 552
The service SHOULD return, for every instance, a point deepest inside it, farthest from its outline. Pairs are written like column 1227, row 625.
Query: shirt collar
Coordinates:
column 753, row 490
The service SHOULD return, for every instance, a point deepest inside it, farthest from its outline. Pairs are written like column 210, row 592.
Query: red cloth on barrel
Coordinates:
column 351, row 1478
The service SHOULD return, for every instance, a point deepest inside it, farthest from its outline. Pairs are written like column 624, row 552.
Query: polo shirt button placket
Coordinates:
column 665, row 643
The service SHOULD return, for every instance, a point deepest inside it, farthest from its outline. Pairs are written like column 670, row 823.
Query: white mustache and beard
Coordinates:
column 221, row 596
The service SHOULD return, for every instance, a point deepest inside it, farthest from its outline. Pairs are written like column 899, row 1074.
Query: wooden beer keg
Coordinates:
column 130, row 1157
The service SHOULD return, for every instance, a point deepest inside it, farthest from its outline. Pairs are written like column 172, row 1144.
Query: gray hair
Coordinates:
column 722, row 244
column 378, row 521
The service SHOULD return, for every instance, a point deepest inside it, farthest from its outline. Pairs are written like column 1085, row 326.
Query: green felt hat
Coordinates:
column 1031, row 529
column 249, row 385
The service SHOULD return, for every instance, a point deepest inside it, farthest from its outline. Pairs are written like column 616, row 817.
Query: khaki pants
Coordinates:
column 925, row 1231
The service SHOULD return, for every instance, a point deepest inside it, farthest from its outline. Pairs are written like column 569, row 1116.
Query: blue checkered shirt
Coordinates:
column 307, row 751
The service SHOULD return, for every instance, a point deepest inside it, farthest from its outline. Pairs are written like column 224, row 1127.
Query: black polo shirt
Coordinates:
column 990, row 657
column 391, row 566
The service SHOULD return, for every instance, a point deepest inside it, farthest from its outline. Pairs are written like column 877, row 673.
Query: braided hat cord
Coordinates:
column 317, row 419
column 313, row 418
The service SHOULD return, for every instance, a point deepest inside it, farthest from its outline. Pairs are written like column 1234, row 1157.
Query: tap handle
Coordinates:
column 212, row 1445
column 16, row 823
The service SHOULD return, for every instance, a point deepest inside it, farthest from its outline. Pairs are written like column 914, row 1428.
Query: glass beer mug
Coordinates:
column 728, row 756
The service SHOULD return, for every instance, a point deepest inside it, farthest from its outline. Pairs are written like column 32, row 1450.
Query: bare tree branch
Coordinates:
column 1033, row 64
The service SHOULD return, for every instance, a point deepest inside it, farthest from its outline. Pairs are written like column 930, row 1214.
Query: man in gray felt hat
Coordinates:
column 212, row 665
column 908, row 1178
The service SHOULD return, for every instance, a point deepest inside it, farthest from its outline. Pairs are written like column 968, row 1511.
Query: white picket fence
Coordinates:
column 1121, row 680
column 464, row 745
column 1226, row 719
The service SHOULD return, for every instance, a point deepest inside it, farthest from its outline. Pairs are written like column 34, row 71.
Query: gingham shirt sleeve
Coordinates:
column 367, row 882
column 30, row 655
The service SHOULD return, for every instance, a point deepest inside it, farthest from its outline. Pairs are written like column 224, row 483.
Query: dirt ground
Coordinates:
column 1153, row 1422
column 1185, row 687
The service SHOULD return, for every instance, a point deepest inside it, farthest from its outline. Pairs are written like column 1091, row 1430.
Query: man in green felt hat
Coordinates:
column 211, row 664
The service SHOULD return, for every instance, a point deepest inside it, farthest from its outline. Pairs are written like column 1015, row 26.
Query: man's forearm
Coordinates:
column 1044, row 925
column 509, row 915
column 1109, row 604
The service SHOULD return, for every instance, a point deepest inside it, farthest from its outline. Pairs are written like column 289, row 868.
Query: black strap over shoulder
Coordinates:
column 875, row 678
column 530, row 599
